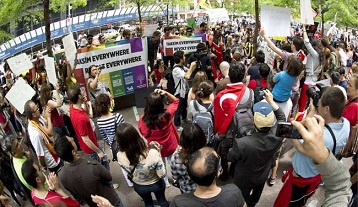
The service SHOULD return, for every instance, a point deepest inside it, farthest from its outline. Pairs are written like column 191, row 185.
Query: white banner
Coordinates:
column 112, row 58
column 276, row 20
column 306, row 12
column 50, row 70
column 19, row 64
column 183, row 44
column 218, row 15
column 19, row 93
column 70, row 48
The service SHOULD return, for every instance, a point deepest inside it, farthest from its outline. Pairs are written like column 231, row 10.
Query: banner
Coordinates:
column 124, row 63
column 184, row 44
column 276, row 20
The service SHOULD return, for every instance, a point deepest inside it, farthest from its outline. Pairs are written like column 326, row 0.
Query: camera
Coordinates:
column 314, row 94
column 287, row 130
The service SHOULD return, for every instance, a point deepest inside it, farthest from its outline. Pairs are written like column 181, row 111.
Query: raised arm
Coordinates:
column 270, row 43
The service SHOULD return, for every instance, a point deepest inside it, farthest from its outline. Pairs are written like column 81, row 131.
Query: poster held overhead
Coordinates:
column 50, row 70
column 306, row 12
column 149, row 29
column 19, row 93
column 218, row 15
column 276, row 20
column 70, row 48
column 19, row 64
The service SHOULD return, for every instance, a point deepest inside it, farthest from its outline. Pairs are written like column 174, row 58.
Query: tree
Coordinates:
column 16, row 10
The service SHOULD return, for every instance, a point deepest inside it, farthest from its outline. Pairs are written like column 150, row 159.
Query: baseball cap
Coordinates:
column 263, row 115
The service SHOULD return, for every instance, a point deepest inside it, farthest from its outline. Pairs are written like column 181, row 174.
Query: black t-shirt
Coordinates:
column 230, row 196
column 205, row 63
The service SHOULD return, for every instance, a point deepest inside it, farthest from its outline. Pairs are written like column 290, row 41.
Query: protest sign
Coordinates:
column 19, row 93
column 124, row 66
column 19, row 64
column 149, row 29
column 276, row 20
column 269, row 55
column 218, row 15
column 183, row 44
column 70, row 48
column 51, row 70
column 306, row 12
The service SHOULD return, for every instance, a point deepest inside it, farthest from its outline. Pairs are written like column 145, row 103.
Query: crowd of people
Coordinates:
column 218, row 119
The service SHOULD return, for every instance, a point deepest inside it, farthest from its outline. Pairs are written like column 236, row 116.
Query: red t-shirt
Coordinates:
column 3, row 120
column 167, row 136
column 252, row 84
column 351, row 112
column 82, row 126
column 54, row 199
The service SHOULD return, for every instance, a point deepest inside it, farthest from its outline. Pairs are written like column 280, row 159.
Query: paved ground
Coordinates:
column 132, row 199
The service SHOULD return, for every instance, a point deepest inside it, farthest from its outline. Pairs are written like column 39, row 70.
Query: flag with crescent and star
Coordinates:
column 225, row 104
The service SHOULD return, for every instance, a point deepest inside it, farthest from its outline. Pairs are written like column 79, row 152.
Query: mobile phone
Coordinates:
column 287, row 130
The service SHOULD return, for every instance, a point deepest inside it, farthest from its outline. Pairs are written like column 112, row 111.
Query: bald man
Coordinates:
column 204, row 168
column 224, row 68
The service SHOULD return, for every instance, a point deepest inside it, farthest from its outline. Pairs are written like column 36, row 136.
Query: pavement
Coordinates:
column 131, row 199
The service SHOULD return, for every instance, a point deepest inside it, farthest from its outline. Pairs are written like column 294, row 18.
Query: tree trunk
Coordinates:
column 256, row 24
column 139, row 12
column 47, row 27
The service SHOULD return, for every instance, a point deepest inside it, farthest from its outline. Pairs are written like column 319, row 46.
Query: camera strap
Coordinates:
column 333, row 136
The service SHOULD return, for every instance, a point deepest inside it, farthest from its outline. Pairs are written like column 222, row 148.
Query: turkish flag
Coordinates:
column 225, row 104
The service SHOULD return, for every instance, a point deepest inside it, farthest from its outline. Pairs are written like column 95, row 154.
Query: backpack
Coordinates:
column 258, row 92
column 205, row 120
column 242, row 124
column 168, row 75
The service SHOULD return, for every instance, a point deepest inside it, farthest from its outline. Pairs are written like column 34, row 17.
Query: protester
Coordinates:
column 136, row 158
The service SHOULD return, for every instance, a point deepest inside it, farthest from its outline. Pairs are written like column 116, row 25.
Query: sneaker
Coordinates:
column 115, row 185
column 179, row 129
column 272, row 181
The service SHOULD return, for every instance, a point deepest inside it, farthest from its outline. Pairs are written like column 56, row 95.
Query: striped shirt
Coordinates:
column 107, row 127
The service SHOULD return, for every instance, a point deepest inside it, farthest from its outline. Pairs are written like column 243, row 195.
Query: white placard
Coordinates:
column 19, row 93
column 19, row 64
column 51, row 70
column 149, row 29
column 276, row 20
column 70, row 48
column 306, row 12
column 218, row 15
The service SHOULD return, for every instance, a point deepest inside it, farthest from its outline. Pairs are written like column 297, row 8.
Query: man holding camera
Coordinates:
column 203, row 60
column 302, row 179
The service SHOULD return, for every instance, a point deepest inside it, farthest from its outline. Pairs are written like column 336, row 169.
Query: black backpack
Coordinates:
column 258, row 91
column 168, row 75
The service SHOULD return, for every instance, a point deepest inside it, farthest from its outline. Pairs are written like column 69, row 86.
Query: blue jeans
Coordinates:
column 157, row 188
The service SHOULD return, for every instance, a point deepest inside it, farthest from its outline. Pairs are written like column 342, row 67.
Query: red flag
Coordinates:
column 224, row 106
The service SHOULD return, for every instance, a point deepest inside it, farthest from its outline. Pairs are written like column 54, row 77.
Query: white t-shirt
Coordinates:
column 36, row 138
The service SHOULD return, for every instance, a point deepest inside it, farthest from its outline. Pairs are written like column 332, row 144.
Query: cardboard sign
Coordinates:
column 70, row 48
column 218, row 15
column 306, row 12
column 276, row 20
column 19, row 93
column 19, row 64
column 51, row 70
column 183, row 44
column 149, row 29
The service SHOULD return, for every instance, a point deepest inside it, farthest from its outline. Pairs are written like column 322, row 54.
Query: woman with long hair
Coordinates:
column 191, row 139
column 204, row 97
column 56, row 117
column 145, row 166
column 199, row 77
column 157, row 123
column 157, row 73
column 313, row 66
